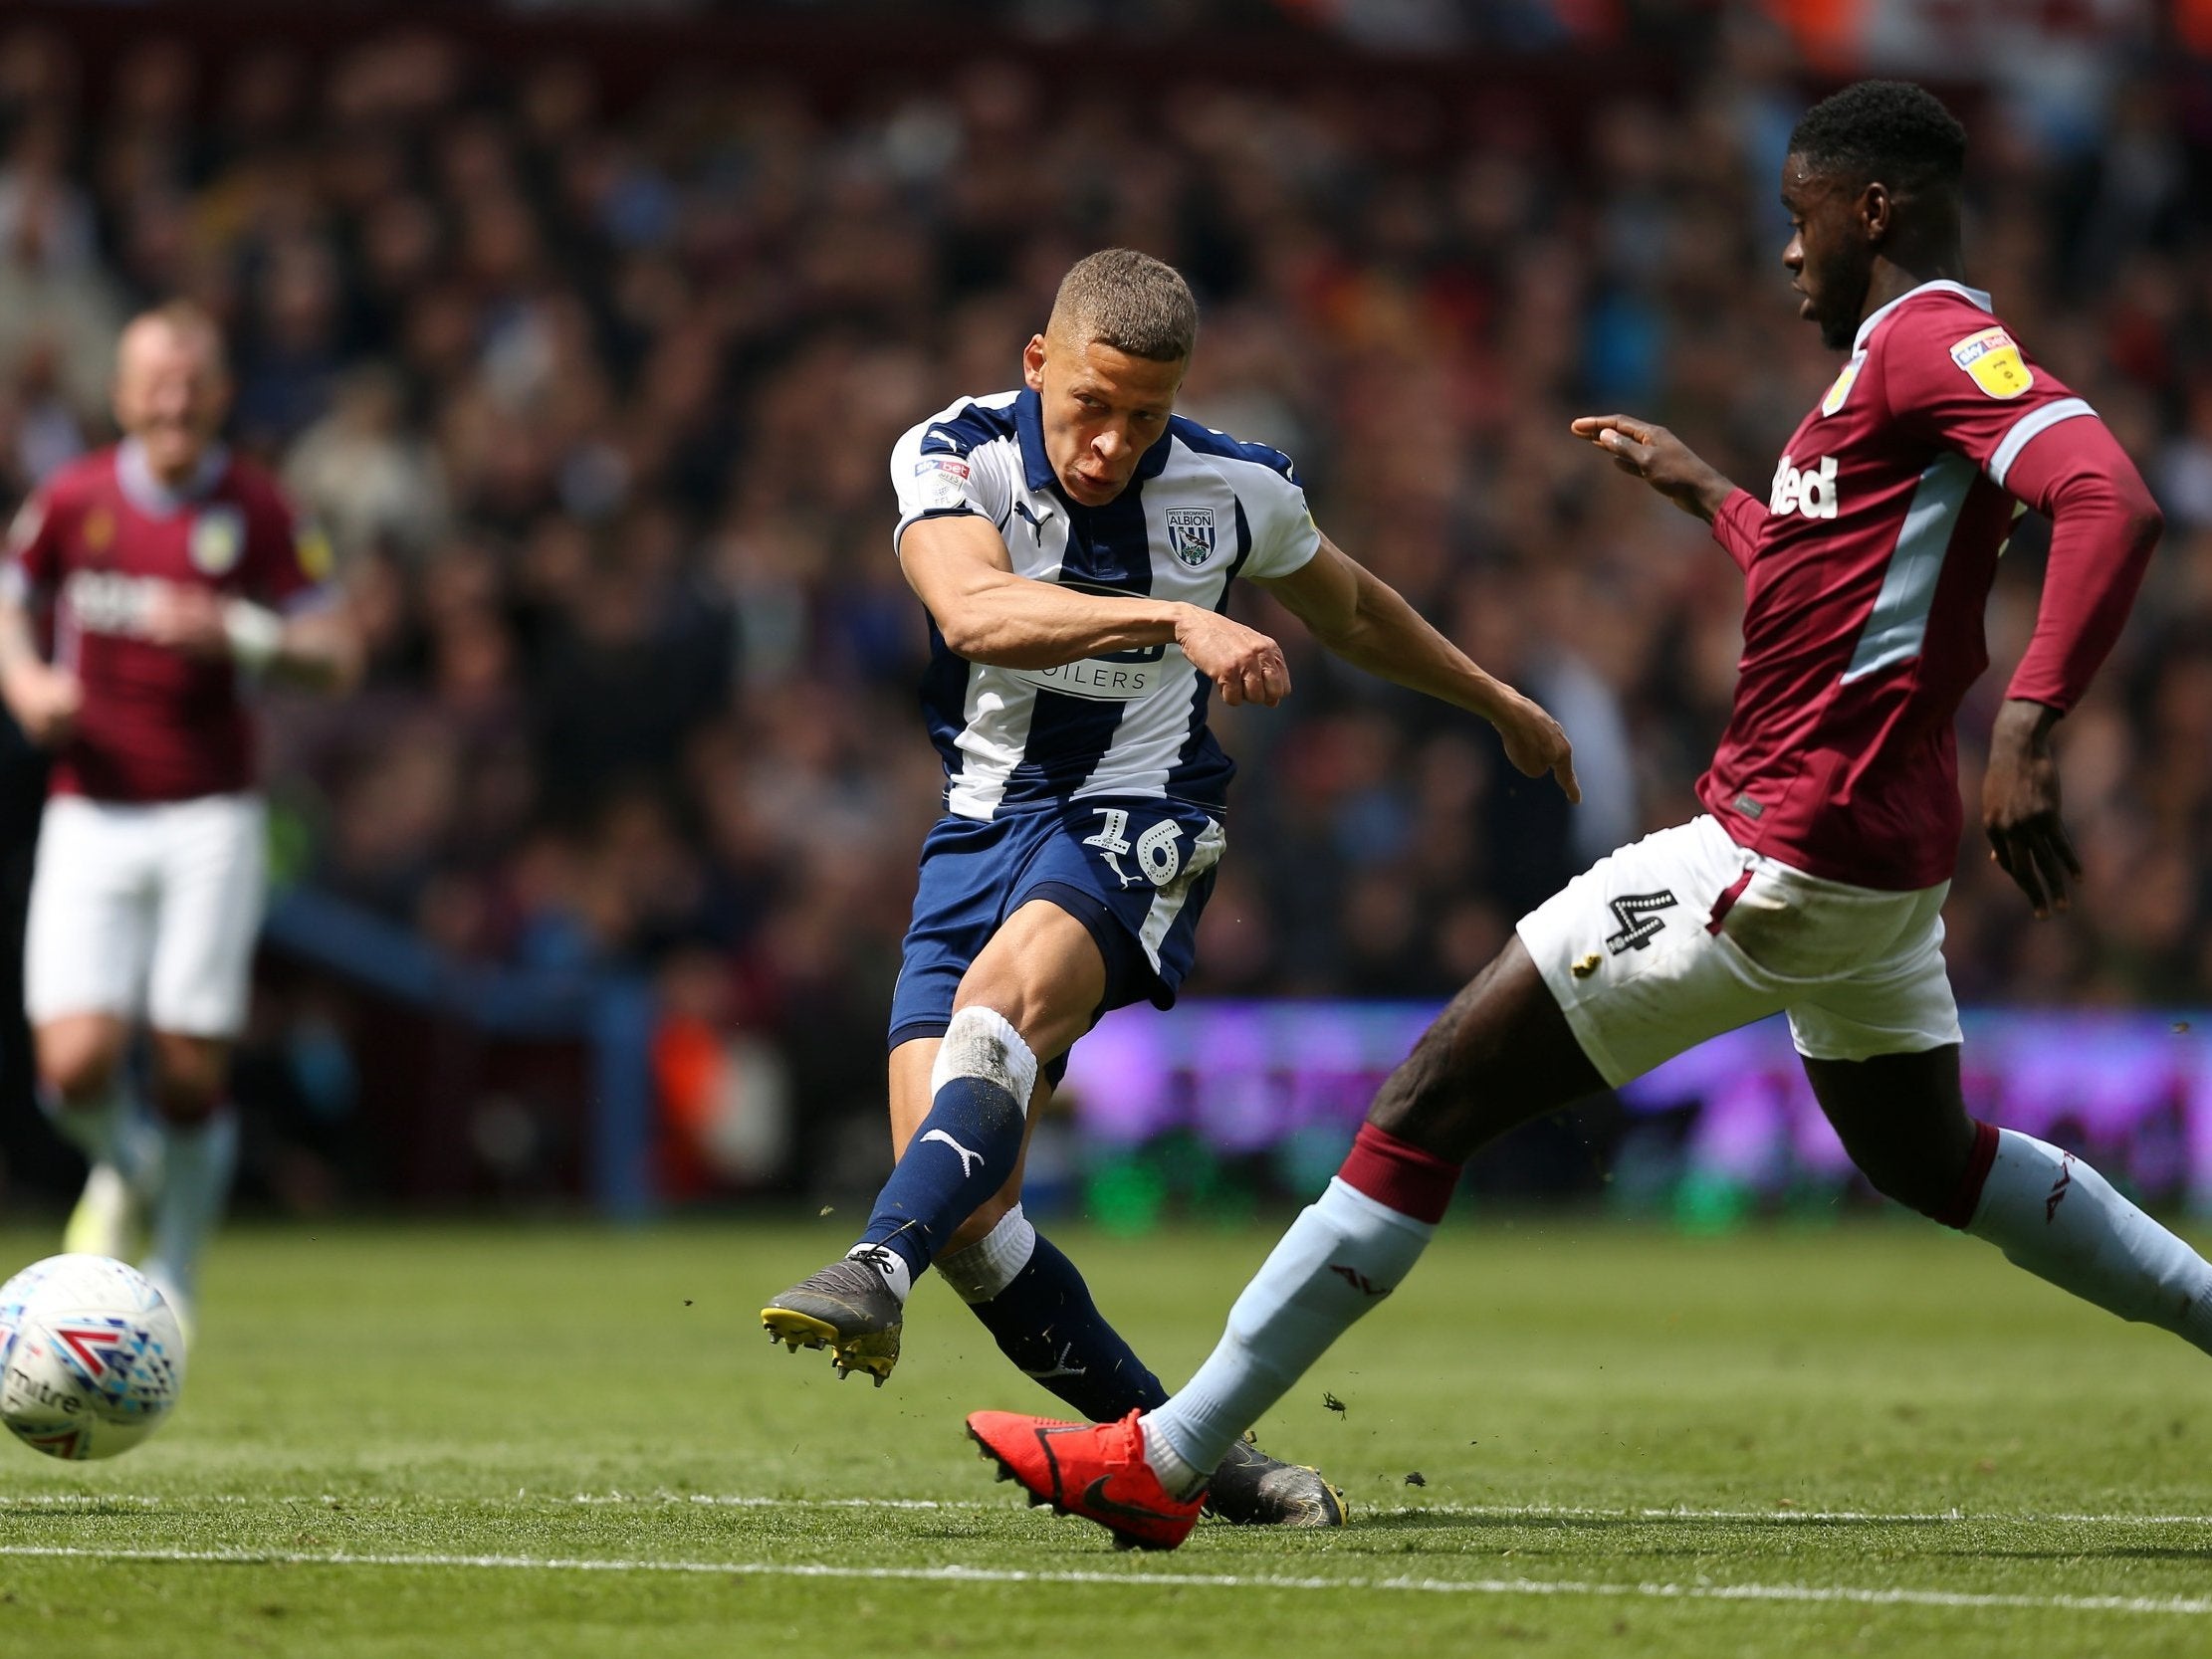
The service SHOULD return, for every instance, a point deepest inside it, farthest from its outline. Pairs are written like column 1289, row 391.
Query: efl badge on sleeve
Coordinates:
column 1191, row 533
column 311, row 548
column 218, row 539
column 1842, row 389
column 1994, row 361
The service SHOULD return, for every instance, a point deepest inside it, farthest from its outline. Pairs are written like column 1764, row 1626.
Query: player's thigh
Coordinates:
column 88, row 935
column 1044, row 974
column 1633, row 954
column 1903, row 1118
column 911, row 1094
column 213, row 871
column 1501, row 1054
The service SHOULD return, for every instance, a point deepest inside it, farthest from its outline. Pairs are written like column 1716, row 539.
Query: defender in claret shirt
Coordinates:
column 173, row 574
column 1815, row 882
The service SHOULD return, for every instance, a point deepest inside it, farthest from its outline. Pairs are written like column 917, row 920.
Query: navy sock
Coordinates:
column 968, row 1145
column 1047, row 1323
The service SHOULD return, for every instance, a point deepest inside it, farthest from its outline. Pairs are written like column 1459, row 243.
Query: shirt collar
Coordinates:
column 1939, row 284
column 1028, row 425
column 148, row 493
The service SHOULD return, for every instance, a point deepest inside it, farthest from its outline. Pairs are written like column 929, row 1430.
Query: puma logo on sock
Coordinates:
column 1359, row 1280
column 965, row 1169
column 1060, row 1367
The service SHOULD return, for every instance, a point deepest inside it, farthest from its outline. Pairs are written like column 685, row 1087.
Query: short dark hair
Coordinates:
column 1885, row 131
column 1131, row 302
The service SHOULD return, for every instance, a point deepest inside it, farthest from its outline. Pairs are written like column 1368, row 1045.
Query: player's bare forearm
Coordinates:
column 958, row 568
column 322, row 652
column 1019, row 622
column 1362, row 619
column 1381, row 634
column 1651, row 453
column 2021, row 806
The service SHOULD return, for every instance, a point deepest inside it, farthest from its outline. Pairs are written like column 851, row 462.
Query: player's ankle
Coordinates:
column 897, row 1271
column 1173, row 1470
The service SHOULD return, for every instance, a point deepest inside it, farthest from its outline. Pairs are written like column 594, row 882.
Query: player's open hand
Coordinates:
column 187, row 619
column 45, row 700
column 1536, row 743
column 1244, row 665
column 1650, row 451
column 2020, row 807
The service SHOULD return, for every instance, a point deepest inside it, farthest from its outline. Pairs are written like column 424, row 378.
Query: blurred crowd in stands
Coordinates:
column 596, row 405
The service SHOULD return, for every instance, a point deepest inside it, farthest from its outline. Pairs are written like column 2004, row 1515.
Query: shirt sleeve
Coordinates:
column 34, row 558
column 1284, row 536
column 2104, row 527
column 1737, row 525
column 1958, row 379
column 289, row 566
column 1954, row 376
column 938, row 473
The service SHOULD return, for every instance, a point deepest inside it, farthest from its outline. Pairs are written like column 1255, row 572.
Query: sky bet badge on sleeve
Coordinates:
column 1994, row 361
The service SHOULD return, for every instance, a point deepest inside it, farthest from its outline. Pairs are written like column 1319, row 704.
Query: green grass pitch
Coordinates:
column 1876, row 1439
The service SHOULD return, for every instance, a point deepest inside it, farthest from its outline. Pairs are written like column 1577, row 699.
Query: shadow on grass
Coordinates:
column 1419, row 1520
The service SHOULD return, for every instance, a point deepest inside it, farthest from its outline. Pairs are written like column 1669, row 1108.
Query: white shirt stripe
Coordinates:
column 2028, row 427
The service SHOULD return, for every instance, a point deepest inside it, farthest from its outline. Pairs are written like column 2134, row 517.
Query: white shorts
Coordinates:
column 146, row 911
column 1685, row 934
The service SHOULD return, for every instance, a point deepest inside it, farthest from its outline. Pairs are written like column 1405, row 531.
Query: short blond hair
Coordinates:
column 185, row 319
column 1129, row 300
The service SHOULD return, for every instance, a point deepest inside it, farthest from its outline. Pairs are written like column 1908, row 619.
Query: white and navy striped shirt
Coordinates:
column 1202, row 508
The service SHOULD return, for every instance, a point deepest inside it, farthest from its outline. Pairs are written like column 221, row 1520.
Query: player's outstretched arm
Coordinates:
column 319, row 649
column 1363, row 619
column 958, row 568
column 1661, row 460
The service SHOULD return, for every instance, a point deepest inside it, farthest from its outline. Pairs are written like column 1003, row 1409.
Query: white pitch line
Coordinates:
column 955, row 1575
column 1478, row 1511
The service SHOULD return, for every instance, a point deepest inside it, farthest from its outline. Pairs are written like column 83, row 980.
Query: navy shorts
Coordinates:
column 1136, row 873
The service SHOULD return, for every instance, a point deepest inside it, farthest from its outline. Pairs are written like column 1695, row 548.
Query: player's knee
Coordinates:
column 1918, row 1181
column 190, row 1079
column 79, row 1063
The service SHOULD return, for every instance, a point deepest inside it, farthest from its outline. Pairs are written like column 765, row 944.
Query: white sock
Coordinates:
column 986, row 1267
column 889, row 1264
column 95, row 1128
column 196, row 1164
column 2054, row 1215
column 1341, row 1257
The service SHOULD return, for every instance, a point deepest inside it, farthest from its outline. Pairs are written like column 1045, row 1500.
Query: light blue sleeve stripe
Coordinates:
column 1897, row 625
column 2028, row 427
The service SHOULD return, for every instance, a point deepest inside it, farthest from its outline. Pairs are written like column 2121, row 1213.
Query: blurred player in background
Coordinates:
column 1815, row 882
column 1075, row 544
column 176, row 576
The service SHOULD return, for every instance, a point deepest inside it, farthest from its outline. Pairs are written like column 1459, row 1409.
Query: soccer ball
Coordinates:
column 91, row 1357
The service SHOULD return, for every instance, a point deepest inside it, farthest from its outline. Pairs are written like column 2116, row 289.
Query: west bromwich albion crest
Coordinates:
column 218, row 538
column 1191, row 533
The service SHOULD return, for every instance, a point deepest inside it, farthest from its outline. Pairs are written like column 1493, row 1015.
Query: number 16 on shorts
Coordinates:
column 1158, row 851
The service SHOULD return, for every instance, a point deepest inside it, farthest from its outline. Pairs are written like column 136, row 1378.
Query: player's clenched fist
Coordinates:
column 1536, row 743
column 44, row 702
column 1243, row 663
